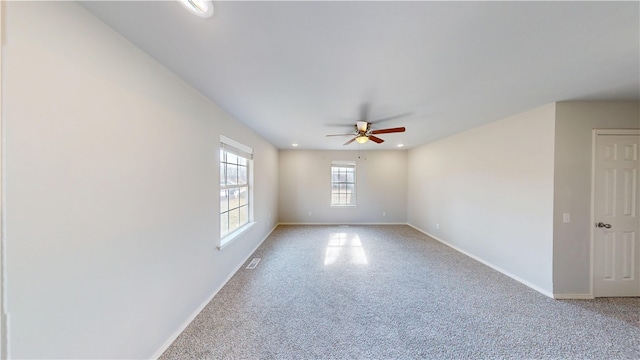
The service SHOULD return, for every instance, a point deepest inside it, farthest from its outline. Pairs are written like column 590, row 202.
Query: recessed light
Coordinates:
column 400, row 145
column 202, row 8
column 294, row 144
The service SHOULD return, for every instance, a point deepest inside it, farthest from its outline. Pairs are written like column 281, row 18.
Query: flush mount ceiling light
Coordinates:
column 202, row 8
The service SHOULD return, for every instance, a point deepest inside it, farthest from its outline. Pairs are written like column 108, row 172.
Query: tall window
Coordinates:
column 235, row 195
column 343, row 183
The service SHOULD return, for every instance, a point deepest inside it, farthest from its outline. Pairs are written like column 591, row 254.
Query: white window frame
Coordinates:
column 230, row 146
column 345, row 182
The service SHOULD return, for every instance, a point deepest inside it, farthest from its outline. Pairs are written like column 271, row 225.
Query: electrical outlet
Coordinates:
column 384, row 213
column 310, row 213
column 566, row 218
column 437, row 226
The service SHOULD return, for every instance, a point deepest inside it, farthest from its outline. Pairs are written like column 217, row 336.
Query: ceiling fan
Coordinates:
column 363, row 133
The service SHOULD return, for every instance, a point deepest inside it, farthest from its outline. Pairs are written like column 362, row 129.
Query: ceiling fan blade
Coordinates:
column 342, row 125
column 350, row 141
column 389, row 130
column 375, row 139
column 340, row 135
column 392, row 117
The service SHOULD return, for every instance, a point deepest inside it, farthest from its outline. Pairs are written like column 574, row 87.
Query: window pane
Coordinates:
column 244, row 196
column 343, row 187
column 244, row 215
column 232, row 174
column 234, row 202
column 232, row 159
column 234, row 219
column 351, row 192
column 234, row 192
column 224, row 201
column 224, row 224
column 242, row 175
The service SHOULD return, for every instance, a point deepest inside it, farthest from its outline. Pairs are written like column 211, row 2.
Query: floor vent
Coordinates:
column 254, row 262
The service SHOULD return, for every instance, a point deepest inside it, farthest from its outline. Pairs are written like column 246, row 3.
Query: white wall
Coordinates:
column 111, row 190
column 305, row 186
column 491, row 191
column 574, row 124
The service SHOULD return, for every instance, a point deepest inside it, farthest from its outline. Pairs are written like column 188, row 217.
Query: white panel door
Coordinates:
column 616, row 248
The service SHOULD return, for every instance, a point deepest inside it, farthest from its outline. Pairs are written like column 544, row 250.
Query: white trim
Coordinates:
column 499, row 269
column 235, row 144
column 616, row 131
column 351, row 163
column 4, row 314
column 337, row 223
column 596, row 133
column 594, row 136
column 234, row 235
column 573, row 296
column 188, row 321
column 243, row 151
column 344, row 164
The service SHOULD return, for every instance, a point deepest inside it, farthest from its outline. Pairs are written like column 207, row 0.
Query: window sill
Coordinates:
column 343, row 206
column 234, row 235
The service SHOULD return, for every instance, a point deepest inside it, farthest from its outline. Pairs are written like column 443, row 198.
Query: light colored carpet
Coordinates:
column 390, row 292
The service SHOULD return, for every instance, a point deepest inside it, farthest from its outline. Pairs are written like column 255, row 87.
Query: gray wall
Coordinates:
column 111, row 190
column 571, row 246
column 305, row 186
column 488, row 192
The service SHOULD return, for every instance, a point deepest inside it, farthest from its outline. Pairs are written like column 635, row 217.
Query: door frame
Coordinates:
column 596, row 133
column 4, row 328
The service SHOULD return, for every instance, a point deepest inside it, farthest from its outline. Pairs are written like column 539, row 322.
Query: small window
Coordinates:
column 343, row 184
column 235, row 189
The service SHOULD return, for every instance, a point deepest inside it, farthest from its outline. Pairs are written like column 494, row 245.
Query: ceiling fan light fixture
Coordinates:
column 362, row 126
column 202, row 8
column 363, row 133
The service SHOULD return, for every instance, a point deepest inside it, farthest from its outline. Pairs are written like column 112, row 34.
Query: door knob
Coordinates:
column 603, row 225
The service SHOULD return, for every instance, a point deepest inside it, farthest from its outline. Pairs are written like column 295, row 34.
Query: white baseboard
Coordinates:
column 573, row 296
column 340, row 223
column 514, row 277
column 188, row 321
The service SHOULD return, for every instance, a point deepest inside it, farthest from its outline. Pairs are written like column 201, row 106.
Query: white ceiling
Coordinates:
column 296, row 71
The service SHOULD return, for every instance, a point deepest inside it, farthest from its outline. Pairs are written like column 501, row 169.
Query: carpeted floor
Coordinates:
column 390, row 292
